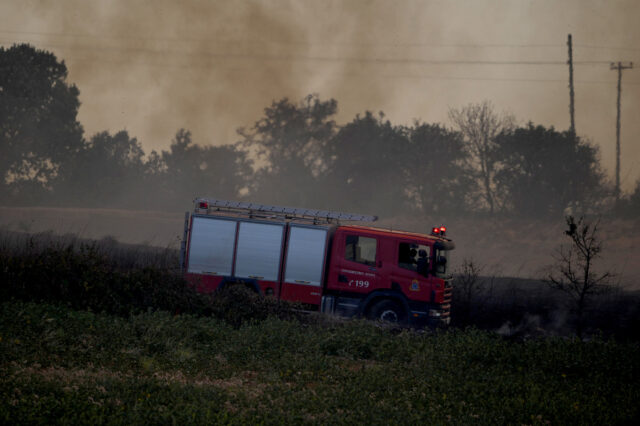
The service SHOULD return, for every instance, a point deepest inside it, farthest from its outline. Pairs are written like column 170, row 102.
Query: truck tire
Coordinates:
column 387, row 311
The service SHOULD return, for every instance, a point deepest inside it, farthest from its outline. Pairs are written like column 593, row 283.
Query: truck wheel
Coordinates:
column 387, row 311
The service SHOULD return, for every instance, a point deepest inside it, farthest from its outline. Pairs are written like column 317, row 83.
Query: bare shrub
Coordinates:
column 574, row 272
column 471, row 292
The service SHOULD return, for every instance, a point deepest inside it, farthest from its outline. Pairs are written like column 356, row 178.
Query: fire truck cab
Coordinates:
column 307, row 256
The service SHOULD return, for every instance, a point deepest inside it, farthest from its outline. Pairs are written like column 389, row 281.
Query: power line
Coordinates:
column 265, row 57
column 529, row 80
column 587, row 46
column 285, row 42
column 202, row 64
column 321, row 43
column 306, row 43
column 192, row 66
column 268, row 57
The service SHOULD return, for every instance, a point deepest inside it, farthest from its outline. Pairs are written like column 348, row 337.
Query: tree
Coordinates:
column 544, row 171
column 574, row 272
column 189, row 170
column 479, row 125
column 108, row 170
column 367, row 173
column 290, row 141
column 38, row 126
column 436, row 166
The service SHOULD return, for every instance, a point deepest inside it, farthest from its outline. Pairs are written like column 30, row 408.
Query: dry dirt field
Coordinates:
column 129, row 226
column 505, row 248
column 524, row 249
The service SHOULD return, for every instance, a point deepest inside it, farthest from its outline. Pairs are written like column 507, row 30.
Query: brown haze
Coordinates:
column 153, row 66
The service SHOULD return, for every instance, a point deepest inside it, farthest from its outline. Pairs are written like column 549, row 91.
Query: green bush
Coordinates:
column 237, row 304
column 83, row 277
column 88, row 276
column 104, row 276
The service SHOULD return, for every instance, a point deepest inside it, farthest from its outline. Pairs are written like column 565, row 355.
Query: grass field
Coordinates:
column 63, row 366
column 100, row 332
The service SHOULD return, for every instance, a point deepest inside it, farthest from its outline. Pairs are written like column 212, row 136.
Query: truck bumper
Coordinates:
column 432, row 317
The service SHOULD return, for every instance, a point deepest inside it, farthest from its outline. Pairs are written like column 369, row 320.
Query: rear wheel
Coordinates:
column 387, row 311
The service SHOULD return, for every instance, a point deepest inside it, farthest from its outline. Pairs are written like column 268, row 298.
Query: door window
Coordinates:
column 360, row 249
column 414, row 257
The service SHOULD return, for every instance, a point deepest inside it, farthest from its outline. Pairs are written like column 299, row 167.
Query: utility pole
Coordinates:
column 619, row 66
column 571, row 94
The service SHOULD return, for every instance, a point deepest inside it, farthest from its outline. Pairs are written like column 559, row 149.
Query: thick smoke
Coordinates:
column 153, row 67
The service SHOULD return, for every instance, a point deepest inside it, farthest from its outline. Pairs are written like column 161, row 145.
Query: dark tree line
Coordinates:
column 295, row 155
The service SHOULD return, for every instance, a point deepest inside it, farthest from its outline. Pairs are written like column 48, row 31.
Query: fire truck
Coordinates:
column 314, row 258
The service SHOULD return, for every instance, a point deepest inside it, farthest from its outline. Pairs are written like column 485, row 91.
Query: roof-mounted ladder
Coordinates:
column 207, row 205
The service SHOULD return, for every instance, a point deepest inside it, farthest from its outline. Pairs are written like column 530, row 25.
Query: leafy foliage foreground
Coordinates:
column 114, row 279
column 58, row 365
column 89, row 336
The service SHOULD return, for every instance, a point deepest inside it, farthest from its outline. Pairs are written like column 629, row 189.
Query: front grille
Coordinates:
column 448, row 291
column 446, row 311
column 446, row 301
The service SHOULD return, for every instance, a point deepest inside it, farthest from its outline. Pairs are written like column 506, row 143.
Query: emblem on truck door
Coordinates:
column 415, row 285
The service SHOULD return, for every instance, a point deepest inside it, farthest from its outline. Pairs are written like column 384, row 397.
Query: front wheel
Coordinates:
column 387, row 311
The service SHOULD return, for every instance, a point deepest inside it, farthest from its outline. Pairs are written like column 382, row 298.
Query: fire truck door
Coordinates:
column 409, row 271
column 357, row 268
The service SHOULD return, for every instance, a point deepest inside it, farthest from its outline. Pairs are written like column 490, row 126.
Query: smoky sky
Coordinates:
column 154, row 66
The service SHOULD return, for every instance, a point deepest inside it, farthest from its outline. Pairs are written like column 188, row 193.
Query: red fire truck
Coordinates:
column 308, row 256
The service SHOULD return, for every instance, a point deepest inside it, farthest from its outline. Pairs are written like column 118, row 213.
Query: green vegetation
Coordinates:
column 66, row 366
column 100, row 333
column 86, row 275
column 116, row 279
